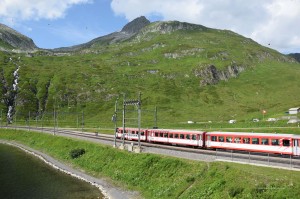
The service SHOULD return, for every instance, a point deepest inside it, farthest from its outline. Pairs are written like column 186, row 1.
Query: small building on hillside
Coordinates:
column 293, row 111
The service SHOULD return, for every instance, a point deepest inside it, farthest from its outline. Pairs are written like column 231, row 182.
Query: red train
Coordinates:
column 288, row 144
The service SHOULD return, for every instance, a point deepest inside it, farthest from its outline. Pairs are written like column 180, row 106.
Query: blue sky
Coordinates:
column 60, row 23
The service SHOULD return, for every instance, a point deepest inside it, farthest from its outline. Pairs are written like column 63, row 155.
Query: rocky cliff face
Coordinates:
column 211, row 75
column 15, row 39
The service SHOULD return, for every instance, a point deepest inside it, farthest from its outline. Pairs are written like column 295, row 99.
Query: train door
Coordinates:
column 203, row 139
column 296, row 148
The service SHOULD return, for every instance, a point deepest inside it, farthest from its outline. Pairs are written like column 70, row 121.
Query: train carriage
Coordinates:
column 177, row 137
column 256, row 142
column 131, row 134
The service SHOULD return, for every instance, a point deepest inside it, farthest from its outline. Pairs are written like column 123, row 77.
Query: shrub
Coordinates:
column 75, row 153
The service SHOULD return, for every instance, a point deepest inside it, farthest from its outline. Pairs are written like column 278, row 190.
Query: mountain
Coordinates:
column 11, row 39
column 189, row 71
column 295, row 56
column 128, row 31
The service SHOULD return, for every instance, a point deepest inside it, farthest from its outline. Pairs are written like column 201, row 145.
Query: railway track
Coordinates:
column 270, row 160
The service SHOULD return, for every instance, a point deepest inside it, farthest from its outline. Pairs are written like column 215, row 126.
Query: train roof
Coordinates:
column 178, row 130
column 255, row 134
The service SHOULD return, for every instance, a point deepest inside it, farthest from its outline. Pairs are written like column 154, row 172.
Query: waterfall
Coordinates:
column 11, row 107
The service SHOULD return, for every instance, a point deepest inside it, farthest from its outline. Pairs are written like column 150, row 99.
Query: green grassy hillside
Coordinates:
column 165, row 62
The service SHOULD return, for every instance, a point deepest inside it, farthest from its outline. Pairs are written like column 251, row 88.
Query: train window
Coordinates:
column 285, row 142
column 213, row 138
column 275, row 142
column 165, row 135
column 221, row 138
column 156, row 134
column 255, row 140
column 142, row 133
column 188, row 137
column 228, row 139
column 181, row 136
column 161, row 134
column 237, row 140
column 246, row 140
column 265, row 141
column 176, row 135
column 193, row 137
column 171, row 135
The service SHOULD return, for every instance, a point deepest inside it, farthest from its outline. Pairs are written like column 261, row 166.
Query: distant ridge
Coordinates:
column 15, row 40
column 129, row 30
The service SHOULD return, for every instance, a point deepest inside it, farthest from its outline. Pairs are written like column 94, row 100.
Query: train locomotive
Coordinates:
column 285, row 144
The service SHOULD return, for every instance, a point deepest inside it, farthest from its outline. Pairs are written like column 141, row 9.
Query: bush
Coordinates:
column 75, row 153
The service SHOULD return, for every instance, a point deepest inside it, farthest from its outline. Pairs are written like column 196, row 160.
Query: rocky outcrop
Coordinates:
column 296, row 56
column 136, row 25
column 171, row 26
column 15, row 39
column 211, row 75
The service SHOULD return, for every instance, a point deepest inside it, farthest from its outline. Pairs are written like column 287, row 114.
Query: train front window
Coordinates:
column 285, row 142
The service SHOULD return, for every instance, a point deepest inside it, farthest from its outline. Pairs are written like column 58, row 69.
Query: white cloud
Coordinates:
column 35, row 9
column 273, row 22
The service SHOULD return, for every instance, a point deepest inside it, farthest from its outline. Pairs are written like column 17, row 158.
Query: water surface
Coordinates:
column 24, row 176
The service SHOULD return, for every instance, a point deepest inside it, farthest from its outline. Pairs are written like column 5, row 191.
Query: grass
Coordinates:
column 156, row 176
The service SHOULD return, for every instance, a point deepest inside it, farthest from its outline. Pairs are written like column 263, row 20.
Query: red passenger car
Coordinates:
column 177, row 137
column 131, row 133
column 256, row 142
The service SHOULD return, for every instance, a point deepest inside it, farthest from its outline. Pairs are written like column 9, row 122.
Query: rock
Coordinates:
column 211, row 75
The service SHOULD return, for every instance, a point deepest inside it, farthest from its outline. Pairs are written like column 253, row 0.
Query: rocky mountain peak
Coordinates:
column 136, row 25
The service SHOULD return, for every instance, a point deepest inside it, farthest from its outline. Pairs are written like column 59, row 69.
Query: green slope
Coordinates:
column 163, row 62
